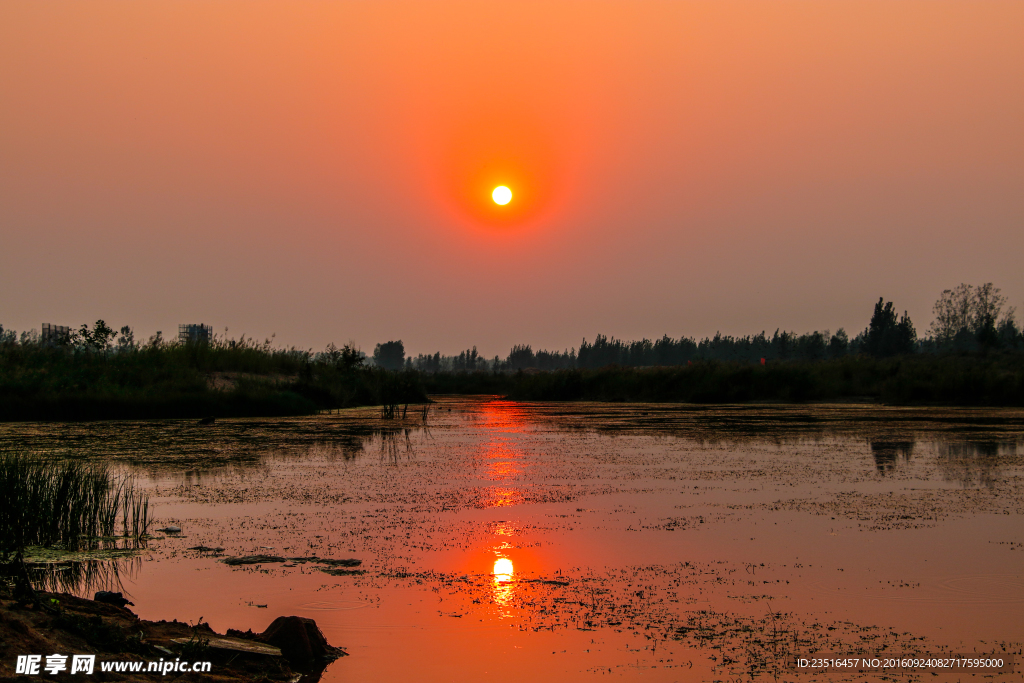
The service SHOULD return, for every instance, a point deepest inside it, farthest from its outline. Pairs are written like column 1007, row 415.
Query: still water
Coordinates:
column 573, row 542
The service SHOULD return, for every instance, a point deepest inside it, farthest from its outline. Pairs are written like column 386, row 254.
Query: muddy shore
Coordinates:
column 68, row 625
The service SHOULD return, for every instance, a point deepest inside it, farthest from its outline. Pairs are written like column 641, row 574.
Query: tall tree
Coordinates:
column 969, row 315
column 952, row 313
column 521, row 357
column 389, row 355
column 888, row 335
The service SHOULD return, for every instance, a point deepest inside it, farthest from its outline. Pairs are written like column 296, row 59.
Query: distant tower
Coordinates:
column 196, row 334
column 54, row 334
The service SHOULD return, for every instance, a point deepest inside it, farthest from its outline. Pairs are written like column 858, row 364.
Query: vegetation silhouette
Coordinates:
column 993, row 379
column 65, row 504
column 886, row 336
column 390, row 355
column 973, row 355
column 86, row 376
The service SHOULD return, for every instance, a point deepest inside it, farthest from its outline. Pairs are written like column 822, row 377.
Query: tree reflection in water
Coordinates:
column 888, row 454
column 975, row 463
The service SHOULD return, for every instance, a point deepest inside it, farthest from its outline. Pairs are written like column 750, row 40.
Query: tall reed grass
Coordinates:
column 65, row 504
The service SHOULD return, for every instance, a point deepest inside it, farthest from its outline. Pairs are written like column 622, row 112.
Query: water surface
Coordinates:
column 574, row 542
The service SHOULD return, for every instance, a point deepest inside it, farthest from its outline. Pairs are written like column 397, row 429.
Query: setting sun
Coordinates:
column 503, row 569
column 509, row 216
column 501, row 195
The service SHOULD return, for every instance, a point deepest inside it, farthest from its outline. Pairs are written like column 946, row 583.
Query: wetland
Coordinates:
column 486, row 538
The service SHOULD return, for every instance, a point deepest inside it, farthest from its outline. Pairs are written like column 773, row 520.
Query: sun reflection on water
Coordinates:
column 500, row 496
column 504, row 586
column 501, row 471
column 506, row 417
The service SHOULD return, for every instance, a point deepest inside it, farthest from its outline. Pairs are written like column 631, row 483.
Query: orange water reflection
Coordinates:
column 504, row 587
column 502, row 461
column 503, row 570
column 501, row 471
column 501, row 496
column 504, row 417
column 504, row 465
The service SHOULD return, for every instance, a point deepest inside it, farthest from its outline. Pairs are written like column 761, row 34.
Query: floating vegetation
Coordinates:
column 342, row 572
column 274, row 559
column 42, row 556
column 253, row 559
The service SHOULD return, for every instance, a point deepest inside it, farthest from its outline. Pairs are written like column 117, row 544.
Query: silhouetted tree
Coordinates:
column 521, row 357
column 97, row 339
column 967, row 317
column 389, row 355
column 839, row 344
column 466, row 361
column 888, row 336
column 1009, row 333
column 126, row 342
column 952, row 313
column 351, row 357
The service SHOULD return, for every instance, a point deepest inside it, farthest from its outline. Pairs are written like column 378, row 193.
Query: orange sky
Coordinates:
column 322, row 170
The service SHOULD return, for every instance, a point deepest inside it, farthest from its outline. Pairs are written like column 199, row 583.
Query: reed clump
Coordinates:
column 65, row 504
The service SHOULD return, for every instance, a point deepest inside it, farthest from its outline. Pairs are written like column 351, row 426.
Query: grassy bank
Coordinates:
column 992, row 379
column 188, row 381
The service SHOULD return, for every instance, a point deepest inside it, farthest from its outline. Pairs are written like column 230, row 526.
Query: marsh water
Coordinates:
column 574, row 542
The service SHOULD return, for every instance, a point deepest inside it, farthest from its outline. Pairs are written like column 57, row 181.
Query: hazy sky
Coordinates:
column 322, row 170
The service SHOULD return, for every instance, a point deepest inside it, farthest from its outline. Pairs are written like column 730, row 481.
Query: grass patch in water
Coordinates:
column 56, row 510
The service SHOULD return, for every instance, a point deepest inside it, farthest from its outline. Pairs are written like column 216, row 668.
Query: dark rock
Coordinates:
column 207, row 421
column 112, row 598
column 300, row 640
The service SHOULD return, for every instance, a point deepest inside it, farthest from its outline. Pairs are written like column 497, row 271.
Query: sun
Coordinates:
column 503, row 569
column 501, row 195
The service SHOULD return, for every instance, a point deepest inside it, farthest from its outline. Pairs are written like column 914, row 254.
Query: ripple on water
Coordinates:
column 334, row 605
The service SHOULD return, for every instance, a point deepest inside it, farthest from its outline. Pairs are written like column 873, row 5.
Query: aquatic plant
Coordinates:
column 63, row 504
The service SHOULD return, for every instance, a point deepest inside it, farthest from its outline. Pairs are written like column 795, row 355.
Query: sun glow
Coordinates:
column 497, row 169
column 501, row 195
column 503, row 569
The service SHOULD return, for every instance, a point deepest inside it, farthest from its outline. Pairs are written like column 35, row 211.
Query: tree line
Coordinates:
column 966, row 356
column 967, row 319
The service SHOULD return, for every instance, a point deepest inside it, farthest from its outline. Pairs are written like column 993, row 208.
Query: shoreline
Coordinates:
column 70, row 625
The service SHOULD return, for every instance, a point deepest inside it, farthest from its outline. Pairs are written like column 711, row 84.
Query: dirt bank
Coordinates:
column 74, row 626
